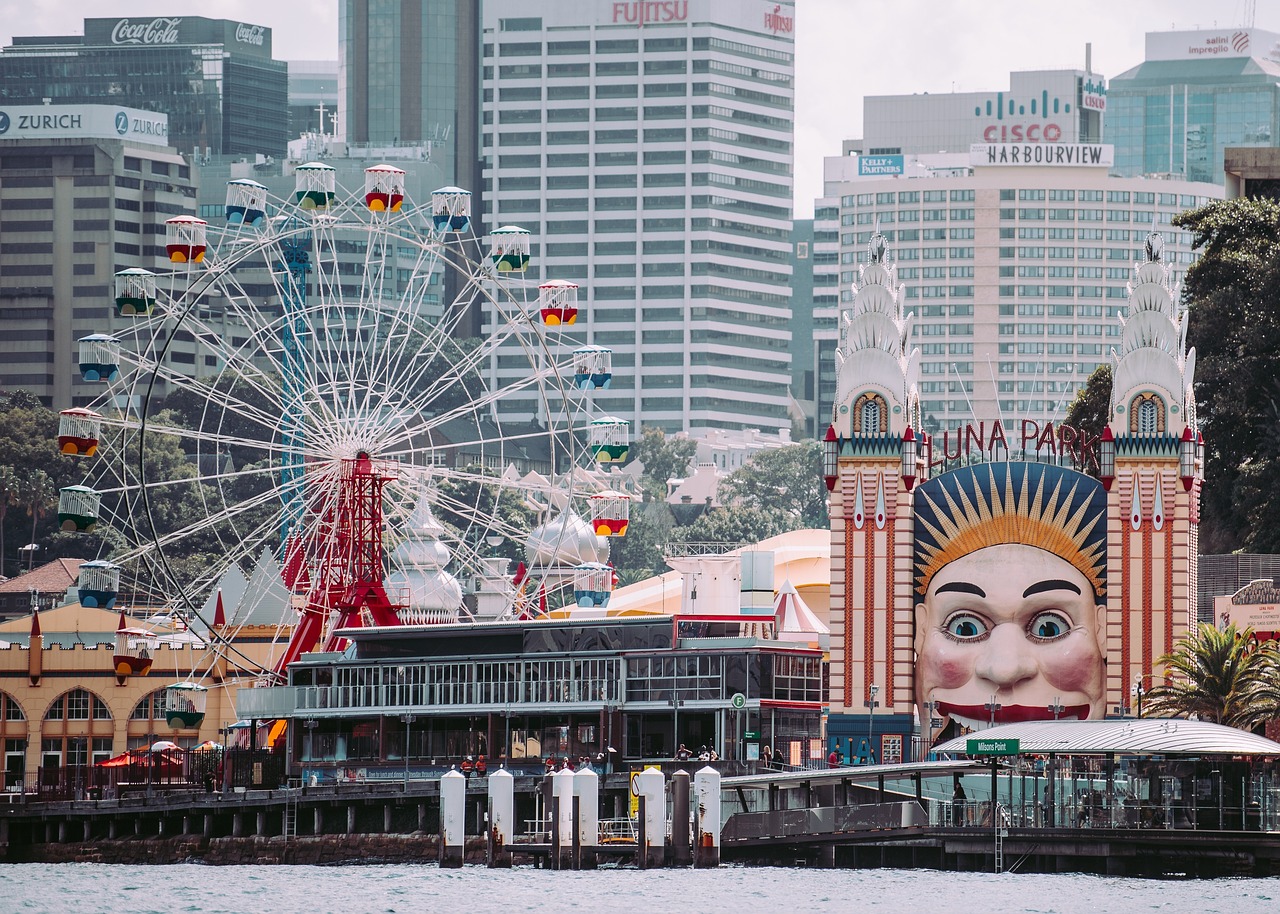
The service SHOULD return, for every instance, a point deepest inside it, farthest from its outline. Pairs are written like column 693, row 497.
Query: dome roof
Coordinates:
column 565, row 540
column 431, row 593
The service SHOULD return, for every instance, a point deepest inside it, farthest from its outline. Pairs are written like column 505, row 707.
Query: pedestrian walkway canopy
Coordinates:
column 1136, row 736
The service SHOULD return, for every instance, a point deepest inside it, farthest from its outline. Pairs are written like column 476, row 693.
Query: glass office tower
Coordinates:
column 1196, row 94
column 214, row 78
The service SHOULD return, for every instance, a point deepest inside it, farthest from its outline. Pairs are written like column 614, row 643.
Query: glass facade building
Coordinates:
column 1196, row 94
column 409, row 72
column 214, row 78
column 648, row 147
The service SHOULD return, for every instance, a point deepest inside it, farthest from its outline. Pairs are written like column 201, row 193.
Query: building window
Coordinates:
column 76, row 705
column 870, row 417
column 1146, row 415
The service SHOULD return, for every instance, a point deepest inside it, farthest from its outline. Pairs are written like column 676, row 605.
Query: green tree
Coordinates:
column 1090, row 410
column 1216, row 674
column 663, row 458
column 36, row 495
column 472, row 508
column 28, row 446
column 736, row 524
column 784, row 481
column 1235, row 327
column 10, row 484
column 638, row 555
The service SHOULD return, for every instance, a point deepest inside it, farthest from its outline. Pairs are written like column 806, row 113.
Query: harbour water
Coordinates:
column 91, row 888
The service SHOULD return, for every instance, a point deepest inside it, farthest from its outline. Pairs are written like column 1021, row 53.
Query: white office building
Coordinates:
column 1014, row 259
column 1040, row 106
column 647, row 146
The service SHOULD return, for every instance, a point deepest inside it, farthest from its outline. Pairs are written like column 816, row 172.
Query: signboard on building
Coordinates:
column 1076, row 155
column 104, row 122
column 175, row 31
column 1263, row 618
column 1093, row 93
column 1210, row 44
column 879, row 165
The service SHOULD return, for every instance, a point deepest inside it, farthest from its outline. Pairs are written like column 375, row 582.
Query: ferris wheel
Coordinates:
column 297, row 385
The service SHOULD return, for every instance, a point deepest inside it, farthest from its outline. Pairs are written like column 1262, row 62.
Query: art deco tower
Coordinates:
column 1152, row 465
column 871, row 466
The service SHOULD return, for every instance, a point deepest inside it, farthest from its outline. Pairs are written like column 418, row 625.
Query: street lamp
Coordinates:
column 872, row 704
column 993, row 706
column 408, row 719
column 1138, row 691
column 1056, row 707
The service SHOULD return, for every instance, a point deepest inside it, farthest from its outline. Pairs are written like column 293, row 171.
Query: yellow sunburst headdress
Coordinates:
column 1032, row 504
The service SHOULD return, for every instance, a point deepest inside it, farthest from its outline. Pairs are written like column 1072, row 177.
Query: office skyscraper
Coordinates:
column 1195, row 95
column 214, row 78
column 648, row 149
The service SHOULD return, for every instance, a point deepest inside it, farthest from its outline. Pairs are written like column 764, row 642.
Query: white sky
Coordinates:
column 845, row 49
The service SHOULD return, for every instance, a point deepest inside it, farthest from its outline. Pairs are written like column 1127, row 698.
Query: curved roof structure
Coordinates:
column 1145, row 736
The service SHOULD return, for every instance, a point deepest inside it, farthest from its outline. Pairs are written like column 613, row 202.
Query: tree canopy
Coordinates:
column 1235, row 328
column 663, row 458
column 31, row 471
column 776, row 491
column 786, row 480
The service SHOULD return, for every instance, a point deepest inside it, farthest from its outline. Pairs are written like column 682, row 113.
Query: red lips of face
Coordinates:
column 1013, row 714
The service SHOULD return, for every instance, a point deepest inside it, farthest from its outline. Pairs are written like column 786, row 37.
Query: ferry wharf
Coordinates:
column 1189, row 812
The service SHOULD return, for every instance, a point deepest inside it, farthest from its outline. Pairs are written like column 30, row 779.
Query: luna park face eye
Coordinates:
column 965, row 626
column 1049, row 626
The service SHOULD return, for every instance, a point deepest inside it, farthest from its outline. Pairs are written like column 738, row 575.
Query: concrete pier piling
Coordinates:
column 706, row 818
column 562, row 792
column 453, row 819
column 502, row 818
column 586, row 797
column 681, row 853
column 650, row 787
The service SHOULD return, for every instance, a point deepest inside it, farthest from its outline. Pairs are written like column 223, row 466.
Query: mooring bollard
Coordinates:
column 586, row 793
column 453, row 818
column 681, row 853
column 501, row 818
column 650, row 787
column 706, row 790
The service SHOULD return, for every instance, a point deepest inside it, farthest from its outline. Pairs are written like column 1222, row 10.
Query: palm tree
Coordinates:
column 36, row 495
column 1266, row 695
column 10, row 484
column 1217, row 675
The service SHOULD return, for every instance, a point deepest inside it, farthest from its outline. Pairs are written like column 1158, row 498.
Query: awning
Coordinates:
column 1134, row 736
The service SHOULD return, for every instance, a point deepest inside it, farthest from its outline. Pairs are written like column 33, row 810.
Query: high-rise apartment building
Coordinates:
column 215, row 79
column 647, row 147
column 84, row 192
column 1014, row 260
column 1196, row 94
